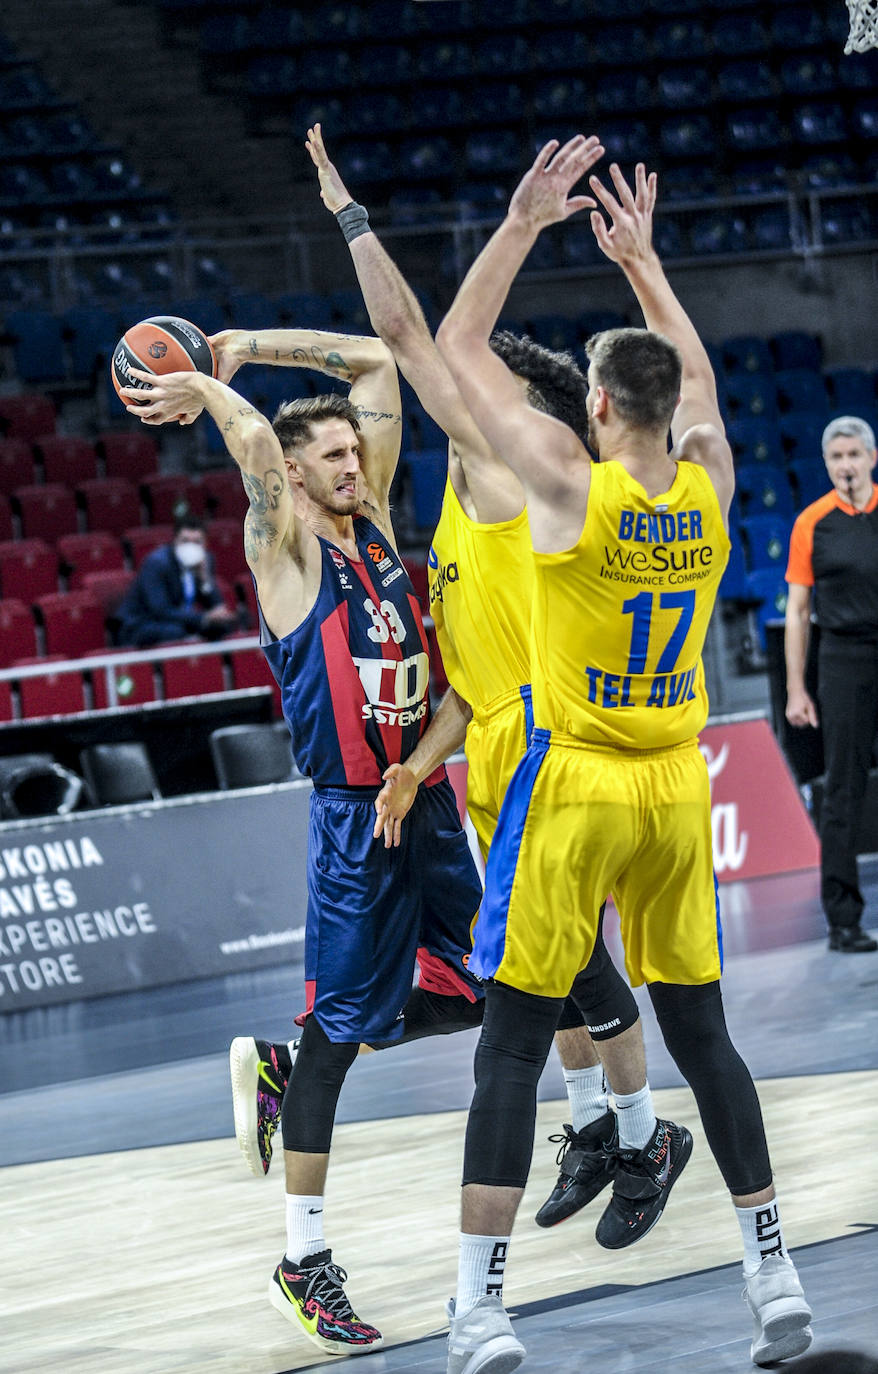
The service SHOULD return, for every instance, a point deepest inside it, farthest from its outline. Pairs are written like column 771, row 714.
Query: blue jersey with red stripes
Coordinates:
column 354, row 676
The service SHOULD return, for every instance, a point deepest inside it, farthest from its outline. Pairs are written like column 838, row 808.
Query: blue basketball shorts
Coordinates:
column 373, row 912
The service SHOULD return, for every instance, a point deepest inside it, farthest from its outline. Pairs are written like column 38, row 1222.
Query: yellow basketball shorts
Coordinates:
column 580, row 821
column 496, row 739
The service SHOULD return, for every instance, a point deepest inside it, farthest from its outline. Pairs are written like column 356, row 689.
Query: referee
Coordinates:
column 834, row 551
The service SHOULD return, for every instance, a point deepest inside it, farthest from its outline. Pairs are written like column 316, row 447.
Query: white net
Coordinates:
column 864, row 25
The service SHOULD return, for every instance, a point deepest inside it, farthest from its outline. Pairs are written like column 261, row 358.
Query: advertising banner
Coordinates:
column 94, row 902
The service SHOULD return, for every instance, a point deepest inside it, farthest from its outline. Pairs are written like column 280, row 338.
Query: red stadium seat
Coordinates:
column 127, row 454
column 46, row 512
column 224, row 494
column 225, row 540
column 142, row 539
column 67, row 459
column 416, row 567
column 18, row 632
column 73, row 623
column 6, row 709
column 81, row 554
column 52, row 694
column 108, row 588
column 110, row 503
column 28, row 569
column 197, row 676
column 250, row 669
column 135, row 683
column 16, row 464
column 437, row 668
column 247, row 593
column 27, row 416
column 167, row 492
column 6, row 530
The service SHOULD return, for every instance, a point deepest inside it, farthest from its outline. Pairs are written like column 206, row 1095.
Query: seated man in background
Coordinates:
column 174, row 594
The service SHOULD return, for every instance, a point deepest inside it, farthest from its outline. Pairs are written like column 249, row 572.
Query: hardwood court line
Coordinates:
column 158, row 1260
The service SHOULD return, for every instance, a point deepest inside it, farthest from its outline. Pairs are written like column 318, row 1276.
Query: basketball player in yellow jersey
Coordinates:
column 612, row 794
column 481, row 589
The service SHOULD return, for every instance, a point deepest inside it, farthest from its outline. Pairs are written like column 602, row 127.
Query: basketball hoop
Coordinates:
column 864, row 25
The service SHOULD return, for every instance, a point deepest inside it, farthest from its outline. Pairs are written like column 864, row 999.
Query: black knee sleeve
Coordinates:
column 693, row 1027
column 434, row 1013
column 603, row 999
column 311, row 1096
column 512, row 1050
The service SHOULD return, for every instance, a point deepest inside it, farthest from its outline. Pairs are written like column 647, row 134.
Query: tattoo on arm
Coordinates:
column 314, row 356
column 263, row 495
column 254, row 348
column 229, row 424
column 259, row 533
column 364, row 414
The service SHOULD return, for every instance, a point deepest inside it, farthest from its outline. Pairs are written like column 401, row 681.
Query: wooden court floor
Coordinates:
column 157, row 1260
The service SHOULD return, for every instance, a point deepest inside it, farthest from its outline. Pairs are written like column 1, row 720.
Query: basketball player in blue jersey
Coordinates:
column 612, row 794
column 342, row 631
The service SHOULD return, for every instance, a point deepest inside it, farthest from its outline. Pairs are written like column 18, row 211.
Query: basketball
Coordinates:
column 164, row 343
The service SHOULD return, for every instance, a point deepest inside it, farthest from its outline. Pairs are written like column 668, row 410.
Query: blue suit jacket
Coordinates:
column 154, row 609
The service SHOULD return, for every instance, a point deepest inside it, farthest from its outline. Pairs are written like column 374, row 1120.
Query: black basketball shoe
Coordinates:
column 586, row 1160
column 641, row 1184
column 260, row 1072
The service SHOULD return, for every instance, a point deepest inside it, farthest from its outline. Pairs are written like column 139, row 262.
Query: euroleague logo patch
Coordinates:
column 379, row 557
column 157, row 349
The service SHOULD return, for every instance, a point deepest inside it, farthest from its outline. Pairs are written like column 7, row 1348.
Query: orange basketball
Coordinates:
column 164, row 343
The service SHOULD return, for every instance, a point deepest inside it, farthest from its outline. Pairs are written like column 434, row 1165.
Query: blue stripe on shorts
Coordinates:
column 719, row 924
column 527, row 698
column 490, row 930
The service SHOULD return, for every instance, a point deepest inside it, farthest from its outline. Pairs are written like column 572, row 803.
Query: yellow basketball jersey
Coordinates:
column 481, row 592
column 620, row 619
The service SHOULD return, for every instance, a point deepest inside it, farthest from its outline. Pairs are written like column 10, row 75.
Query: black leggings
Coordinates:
column 515, row 1041
column 600, row 998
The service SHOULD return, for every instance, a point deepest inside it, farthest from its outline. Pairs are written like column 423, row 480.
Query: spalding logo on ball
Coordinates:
column 162, row 344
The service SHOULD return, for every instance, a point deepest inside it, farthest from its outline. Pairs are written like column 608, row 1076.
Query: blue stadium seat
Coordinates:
column 864, row 120
column 480, row 200
column 755, row 128
column 680, row 40
column 768, row 587
column 801, row 436
column 824, row 170
column 684, row 88
column 341, row 21
column 746, row 353
column 568, row 50
column 21, row 185
column 277, row 29
column 271, row 74
column 380, row 112
column 669, row 239
column 752, row 394
column 68, row 132
column 23, row 88
column 851, row 390
column 427, row 471
column 579, row 247
column 382, row 64
column 349, row 311
column 427, row 158
column 554, row 331
column 846, row 221
column 334, row 115
column 443, row 59
column 38, row 346
column 499, row 14
column 793, row 348
column 252, row 310
column 861, row 70
column 625, row 139
column 719, row 231
column 820, row 122
column 736, row 35
column 767, row 539
column 225, row 33
column 90, row 339
column 416, row 205
column 743, row 81
column 501, row 54
column 495, row 102
column 438, row 107
column 596, row 321
column 690, row 135
column 493, row 150
column 811, row 73
column 367, row 161
column 802, row 391
column 734, row 585
column 755, row 441
column 622, row 93
column 618, row 46
column 560, row 95
column 810, row 481
column 771, row 228
column 797, row 26
column 694, row 181
column 764, row 490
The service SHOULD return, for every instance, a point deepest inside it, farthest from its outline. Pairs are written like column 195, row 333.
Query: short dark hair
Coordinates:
column 556, row 383
column 641, row 371
column 293, row 420
column 185, row 520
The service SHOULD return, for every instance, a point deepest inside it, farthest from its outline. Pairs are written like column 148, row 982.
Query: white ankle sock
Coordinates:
column 762, row 1234
column 304, row 1226
column 635, row 1117
column 587, row 1095
column 293, row 1047
column 480, row 1268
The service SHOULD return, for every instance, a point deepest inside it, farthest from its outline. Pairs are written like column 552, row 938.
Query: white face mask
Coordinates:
column 189, row 553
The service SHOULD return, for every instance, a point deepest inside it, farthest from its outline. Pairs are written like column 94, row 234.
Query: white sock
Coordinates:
column 480, row 1268
column 762, row 1234
column 587, row 1095
column 293, row 1047
column 635, row 1117
column 304, row 1226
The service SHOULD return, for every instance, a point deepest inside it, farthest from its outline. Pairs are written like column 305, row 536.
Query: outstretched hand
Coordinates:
column 333, row 192
column 629, row 235
column 542, row 197
column 164, row 397
column 393, row 803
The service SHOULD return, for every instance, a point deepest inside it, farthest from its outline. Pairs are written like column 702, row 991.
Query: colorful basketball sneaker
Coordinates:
column 482, row 1340
column 260, row 1073
column 586, row 1160
column 642, row 1182
column 310, row 1295
column 781, row 1314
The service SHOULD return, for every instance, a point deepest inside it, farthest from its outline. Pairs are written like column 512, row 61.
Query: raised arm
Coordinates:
column 270, row 526
column 544, row 454
column 697, row 427
column 365, row 364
